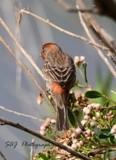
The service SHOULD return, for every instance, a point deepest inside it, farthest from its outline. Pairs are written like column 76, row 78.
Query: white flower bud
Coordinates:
column 73, row 146
column 78, row 145
column 74, row 141
column 42, row 128
column 86, row 117
column 98, row 114
column 90, row 106
column 81, row 143
column 86, row 110
column 97, row 106
column 53, row 121
column 78, row 130
column 76, row 60
column 88, row 132
column 92, row 123
column 94, row 118
column 74, row 134
column 82, row 58
column 42, row 132
column 83, row 122
column 113, row 129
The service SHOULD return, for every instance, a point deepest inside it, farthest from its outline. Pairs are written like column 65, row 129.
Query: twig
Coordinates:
column 102, row 7
column 97, row 28
column 63, row 30
column 95, row 10
column 101, row 150
column 28, row 57
column 109, row 108
column 2, row 155
column 92, row 39
column 19, row 114
column 25, row 129
column 18, row 18
column 109, row 99
column 25, row 68
column 68, row 7
column 114, row 92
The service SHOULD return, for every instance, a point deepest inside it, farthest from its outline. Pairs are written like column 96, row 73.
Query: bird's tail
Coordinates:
column 62, row 119
column 62, row 111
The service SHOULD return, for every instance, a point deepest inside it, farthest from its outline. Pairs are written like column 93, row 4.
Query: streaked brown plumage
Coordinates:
column 59, row 71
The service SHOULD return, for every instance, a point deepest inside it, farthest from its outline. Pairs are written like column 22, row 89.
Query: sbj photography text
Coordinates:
column 14, row 144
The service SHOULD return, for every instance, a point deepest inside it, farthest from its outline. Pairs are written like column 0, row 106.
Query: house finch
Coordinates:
column 59, row 71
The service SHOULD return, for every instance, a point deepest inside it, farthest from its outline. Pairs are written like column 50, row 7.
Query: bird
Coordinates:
column 60, row 74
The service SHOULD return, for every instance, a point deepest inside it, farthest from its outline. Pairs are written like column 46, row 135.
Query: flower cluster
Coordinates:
column 47, row 123
column 113, row 130
column 79, row 60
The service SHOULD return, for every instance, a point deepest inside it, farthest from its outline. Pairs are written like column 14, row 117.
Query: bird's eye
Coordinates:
column 43, row 49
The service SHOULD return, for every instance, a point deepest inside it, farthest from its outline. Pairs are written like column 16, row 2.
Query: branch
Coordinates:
column 103, row 7
column 17, row 51
column 102, row 149
column 86, row 22
column 36, row 134
column 2, row 155
column 23, row 11
column 28, row 57
column 98, row 50
column 25, row 68
column 109, row 108
column 98, row 29
column 68, row 7
column 19, row 114
column 20, row 62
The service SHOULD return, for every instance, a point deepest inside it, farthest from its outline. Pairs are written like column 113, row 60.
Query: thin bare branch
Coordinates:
column 2, row 155
column 102, row 149
column 62, row 30
column 113, row 71
column 20, row 114
column 69, row 8
column 97, row 28
column 36, row 134
column 18, row 18
column 66, row 6
column 23, row 51
column 102, row 7
column 109, row 108
column 25, row 68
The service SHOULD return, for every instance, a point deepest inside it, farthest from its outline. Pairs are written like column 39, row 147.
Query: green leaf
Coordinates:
column 105, row 133
column 71, row 118
column 109, row 154
column 112, row 139
column 93, row 94
column 50, row 135
column 42, row 156
column 97, row 131
column 106, row 155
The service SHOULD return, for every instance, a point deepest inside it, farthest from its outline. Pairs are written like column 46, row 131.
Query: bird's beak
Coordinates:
column 41, row 52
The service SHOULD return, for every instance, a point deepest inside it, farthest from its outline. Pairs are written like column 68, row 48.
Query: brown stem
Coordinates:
column 18, row 126
column 2, row 155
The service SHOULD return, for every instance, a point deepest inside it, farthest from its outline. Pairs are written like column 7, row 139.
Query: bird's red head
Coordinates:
column 48, row 47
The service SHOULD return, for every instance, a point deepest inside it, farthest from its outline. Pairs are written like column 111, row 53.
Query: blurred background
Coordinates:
column 17, row 90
